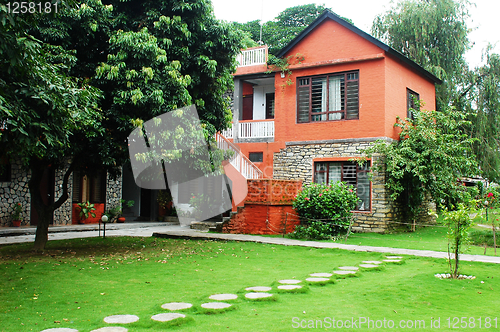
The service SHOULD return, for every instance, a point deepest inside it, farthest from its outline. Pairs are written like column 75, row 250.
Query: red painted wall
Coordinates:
column 76, row 214
column 268, row 208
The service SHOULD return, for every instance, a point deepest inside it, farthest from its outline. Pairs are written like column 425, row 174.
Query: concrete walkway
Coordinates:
column 171, row 230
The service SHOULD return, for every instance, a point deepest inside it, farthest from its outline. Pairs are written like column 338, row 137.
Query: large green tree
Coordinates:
column 111, row 67
column 434, row 34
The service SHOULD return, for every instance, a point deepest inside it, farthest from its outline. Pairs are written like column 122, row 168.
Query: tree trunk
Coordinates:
column 44, row 211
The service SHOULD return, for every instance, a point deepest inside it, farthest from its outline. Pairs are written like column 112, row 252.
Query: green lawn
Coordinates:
column 77, row 283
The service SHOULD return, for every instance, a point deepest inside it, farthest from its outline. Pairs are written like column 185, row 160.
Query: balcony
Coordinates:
column 256, row 129
column 252, row 129
column 252, row 60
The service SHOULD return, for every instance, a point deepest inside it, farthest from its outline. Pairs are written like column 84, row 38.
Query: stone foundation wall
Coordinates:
column 13, row 192
column 16, row 191
column 296, row 162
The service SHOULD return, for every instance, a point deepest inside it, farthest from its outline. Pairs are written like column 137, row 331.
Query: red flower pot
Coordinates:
column 16, row 223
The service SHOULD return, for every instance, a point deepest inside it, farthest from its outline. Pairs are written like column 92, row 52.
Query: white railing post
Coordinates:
column 261, row 129
column 253, row 56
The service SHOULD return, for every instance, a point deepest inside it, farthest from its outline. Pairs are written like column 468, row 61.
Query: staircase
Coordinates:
column 239, row 160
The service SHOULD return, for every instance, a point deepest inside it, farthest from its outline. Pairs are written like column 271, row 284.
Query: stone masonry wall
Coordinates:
column 296, row 162
column 16, row 191
column 13, row 192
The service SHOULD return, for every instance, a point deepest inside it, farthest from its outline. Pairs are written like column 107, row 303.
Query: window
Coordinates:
column 256, row 157
column 412, row 99
column 348, row 172
column 90, row 188
column 328, row 98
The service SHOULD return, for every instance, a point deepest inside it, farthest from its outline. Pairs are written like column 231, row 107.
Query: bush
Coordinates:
column 325, row 209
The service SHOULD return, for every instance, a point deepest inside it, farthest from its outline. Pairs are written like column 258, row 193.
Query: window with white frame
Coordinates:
column 348, row 172
column 328, row 97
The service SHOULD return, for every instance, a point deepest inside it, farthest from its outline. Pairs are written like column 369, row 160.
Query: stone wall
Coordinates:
column 16, row 191
column 296, row 162
column 13, row 192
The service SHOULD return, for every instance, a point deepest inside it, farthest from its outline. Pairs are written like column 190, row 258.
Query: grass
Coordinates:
column 76, row 283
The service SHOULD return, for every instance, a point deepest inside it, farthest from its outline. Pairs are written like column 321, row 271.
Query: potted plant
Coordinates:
column 16, row 216
column 86, row 210
column 117, row 211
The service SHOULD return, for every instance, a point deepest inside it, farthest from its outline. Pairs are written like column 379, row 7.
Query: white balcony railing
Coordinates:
column 239, row 160
column 260, row 129
column 253, row 56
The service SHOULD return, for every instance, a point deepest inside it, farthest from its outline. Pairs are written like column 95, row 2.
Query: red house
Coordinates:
column 342, row 90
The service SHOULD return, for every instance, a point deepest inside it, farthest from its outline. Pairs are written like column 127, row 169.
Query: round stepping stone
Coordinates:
column 368, row 266
column 372, row 262
column 392, row 260
column 321, row 275
column 289, row 287
column 344, row 272
column 289, row 281
column 259, row 289
column 349, row 268
column 60, row 329
column 215, row 305
column 317, row 279
column 121, row 319
column 254, row 296
column 394, row 257
column 176, row 306
column 223, row 297
column 167, row 317
column 111, row 329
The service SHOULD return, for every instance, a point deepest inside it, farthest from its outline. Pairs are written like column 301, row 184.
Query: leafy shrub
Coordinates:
column 315, row 230
column 331, row 206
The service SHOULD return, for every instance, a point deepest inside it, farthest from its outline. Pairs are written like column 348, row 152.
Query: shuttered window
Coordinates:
column 90, row 188
column 328, row 98
column 348, row 172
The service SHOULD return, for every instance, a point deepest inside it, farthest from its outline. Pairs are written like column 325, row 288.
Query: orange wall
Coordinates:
column 267, row 149
column 398, row 78
column 330, row 41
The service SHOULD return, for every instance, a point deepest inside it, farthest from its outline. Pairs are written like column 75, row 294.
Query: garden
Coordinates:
column 77, row 283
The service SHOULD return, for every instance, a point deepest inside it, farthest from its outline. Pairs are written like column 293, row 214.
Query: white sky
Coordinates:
column 484, row 16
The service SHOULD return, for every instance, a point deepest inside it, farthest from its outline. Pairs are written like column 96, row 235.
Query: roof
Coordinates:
column 328, row 14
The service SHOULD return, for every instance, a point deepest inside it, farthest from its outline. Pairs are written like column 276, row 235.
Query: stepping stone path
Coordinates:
column 349, row 268
column 259, row 289
column 321, row 275
column 289, row 287
column 223, row 297
column 176, row 306
column 215, row 305
column 344, row 272
column 317, row 279
column 289, row 281
column 254, row 296
column 257, row 292
column 167, row 317
column 121, row 319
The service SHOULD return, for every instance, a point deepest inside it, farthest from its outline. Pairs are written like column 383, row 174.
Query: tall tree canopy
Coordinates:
column 434, row 34
column 78, row 82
